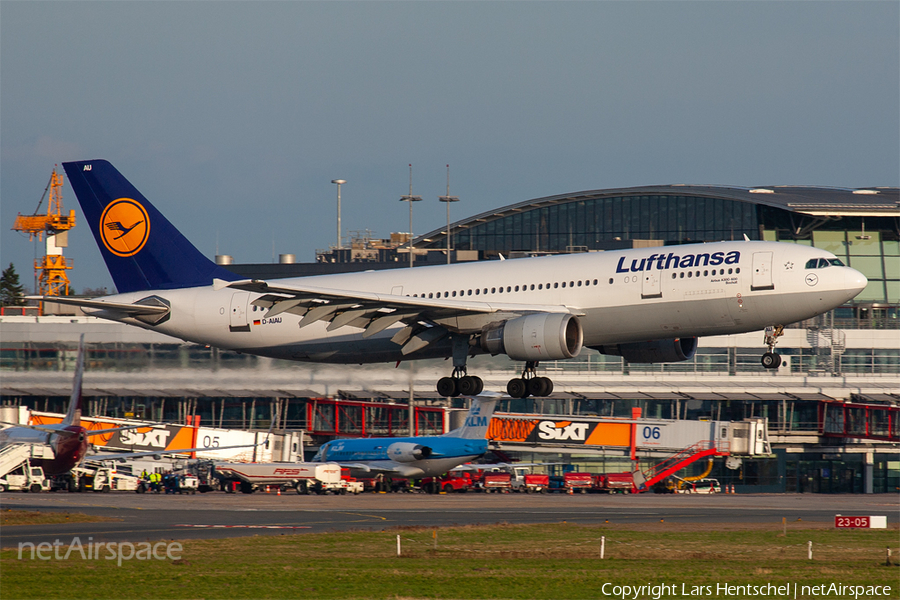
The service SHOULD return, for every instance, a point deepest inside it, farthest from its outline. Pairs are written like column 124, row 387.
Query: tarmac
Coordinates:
column 149, row 517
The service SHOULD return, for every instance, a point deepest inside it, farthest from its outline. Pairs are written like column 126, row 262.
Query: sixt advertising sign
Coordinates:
column 547, row 431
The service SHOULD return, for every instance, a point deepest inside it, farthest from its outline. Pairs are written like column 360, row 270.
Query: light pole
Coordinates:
column 448, row 199
column 410, row 198
column 339, row 182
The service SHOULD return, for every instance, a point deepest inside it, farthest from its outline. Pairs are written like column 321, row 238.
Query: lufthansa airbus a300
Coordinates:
column 646, row 305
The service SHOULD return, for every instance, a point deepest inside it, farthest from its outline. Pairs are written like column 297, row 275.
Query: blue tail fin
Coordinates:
column 142, row 249
column 478, row 420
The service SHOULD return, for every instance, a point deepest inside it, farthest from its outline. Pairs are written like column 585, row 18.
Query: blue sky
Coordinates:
column 234, row 117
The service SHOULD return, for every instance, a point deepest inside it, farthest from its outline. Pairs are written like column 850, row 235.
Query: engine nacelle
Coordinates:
column 656, row 351
column 407, row 452
column 541, row 336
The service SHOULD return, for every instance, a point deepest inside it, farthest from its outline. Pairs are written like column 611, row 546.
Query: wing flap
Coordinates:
column 372, row 311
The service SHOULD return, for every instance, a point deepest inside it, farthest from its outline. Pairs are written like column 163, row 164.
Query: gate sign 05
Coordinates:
column 877, row 522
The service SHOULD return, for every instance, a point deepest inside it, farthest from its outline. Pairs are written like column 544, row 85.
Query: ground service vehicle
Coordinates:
column 578, row 482
column 302, row 476
column 523, row 480
column 454, row 481
column 535, row 482
column 570, row 482
column 496, row 482
column 701, row 486
column 620, row 483
column 26, row 478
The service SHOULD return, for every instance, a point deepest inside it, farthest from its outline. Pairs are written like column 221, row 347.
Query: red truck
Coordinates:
column 535, row 483
column 570, row 482
column 578, row 482
column 454, row 481
column 496, row 482
column 610, row 483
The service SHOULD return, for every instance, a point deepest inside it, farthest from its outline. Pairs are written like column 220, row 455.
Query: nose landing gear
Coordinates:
column 771, row 359
column 529, row 384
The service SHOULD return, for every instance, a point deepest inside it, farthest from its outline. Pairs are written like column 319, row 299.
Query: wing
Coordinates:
column 427, row 320
column 61, row 431
column 115, row 226
column 123, row 456
column 384, row 467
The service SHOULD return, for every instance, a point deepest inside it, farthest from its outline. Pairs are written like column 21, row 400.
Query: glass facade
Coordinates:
column 599, row 223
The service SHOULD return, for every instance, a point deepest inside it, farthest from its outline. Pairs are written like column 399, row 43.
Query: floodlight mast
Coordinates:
column 410, row 198
column 339, row 182
column 448, row 199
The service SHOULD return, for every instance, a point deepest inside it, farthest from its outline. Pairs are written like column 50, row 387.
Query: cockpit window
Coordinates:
column 821, row 263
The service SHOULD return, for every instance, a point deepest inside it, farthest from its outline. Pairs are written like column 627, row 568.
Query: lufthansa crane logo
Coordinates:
column 124, row 227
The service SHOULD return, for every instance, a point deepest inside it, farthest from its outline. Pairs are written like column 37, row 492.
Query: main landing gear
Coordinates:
column 529, row 384
column 460, row 383
column 771, row 359
column 468, row 385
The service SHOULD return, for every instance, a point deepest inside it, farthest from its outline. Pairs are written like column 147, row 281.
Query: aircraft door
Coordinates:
column 762, row 272
column 239, row 302
column 650, row 287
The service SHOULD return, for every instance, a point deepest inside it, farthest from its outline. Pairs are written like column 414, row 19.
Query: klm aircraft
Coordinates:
column 415, row 457
column 644, row 304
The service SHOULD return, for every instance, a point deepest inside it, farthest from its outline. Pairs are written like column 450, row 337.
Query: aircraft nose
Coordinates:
column 855, row 280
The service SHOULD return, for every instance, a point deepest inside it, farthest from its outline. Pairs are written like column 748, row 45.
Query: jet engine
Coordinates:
column 656, row 351
column 407, row 452
column 541, row 336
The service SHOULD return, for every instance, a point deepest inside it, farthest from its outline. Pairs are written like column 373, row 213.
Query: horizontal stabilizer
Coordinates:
column 130, row 309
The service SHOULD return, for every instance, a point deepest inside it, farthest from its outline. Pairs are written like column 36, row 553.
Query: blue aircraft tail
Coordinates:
column 142, row 249
column 477, row 420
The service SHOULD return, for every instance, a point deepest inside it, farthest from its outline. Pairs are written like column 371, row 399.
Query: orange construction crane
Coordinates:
column 54, row 227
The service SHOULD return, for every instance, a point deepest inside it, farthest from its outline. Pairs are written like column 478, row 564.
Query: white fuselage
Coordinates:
column 618, row 296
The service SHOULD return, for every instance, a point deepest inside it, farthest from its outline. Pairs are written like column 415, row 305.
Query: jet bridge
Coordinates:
column 608, row 435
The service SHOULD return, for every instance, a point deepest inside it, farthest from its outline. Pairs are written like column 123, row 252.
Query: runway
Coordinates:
column 148, row 517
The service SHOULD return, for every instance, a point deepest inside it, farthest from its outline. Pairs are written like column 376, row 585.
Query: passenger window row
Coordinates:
column 706, row 273
column 508, row 289
column 556, row 285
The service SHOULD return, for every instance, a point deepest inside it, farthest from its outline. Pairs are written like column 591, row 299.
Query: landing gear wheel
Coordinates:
column 447, row 387
column 771, row 360
column 517, row 388
column 548, row 386
column 469, row 385
column 540, row 386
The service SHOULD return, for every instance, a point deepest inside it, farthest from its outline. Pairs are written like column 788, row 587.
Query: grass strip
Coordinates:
column 495, row 561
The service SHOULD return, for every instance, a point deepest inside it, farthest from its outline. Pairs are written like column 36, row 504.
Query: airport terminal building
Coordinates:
column 850, row 356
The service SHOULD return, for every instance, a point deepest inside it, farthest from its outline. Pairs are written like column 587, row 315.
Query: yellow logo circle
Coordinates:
column 124, row 227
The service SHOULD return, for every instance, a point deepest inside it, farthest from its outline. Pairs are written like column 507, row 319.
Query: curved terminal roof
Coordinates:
column 809, row 200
